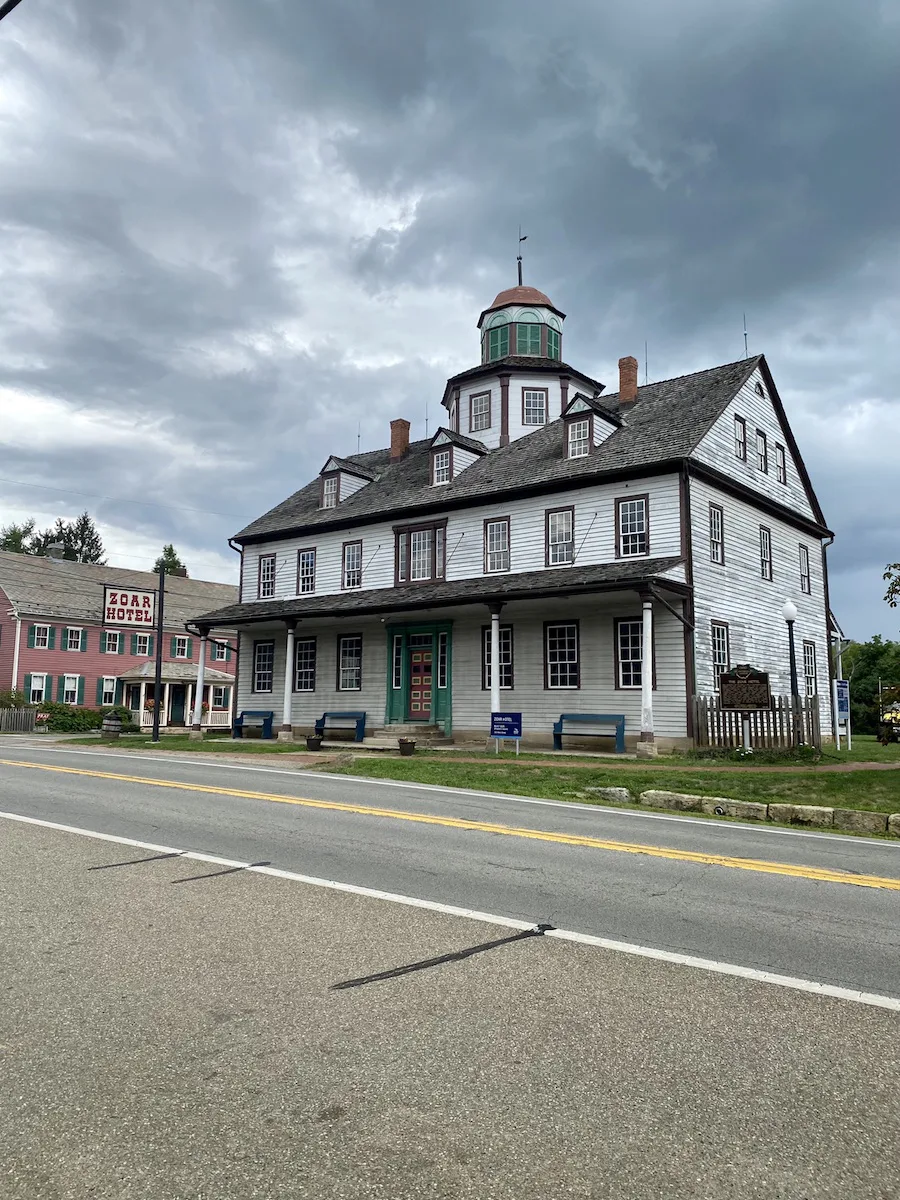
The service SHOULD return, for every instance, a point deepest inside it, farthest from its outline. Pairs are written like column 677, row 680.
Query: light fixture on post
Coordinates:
column 789, row 612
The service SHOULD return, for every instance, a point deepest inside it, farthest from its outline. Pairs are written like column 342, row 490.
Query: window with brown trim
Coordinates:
column 496, row 544
column 305, row 664
column 506, row 658
column 562, row 662
column 442, row 465
column 721, row 650
column 780, row 463
column 740, row 438
column 263, row 666
column 265, row 587
column 579, row 431
column 351, row 565
column 805, row 578
column 559, row 536
column 632, row 526
column 349, row 662
column 535, row 404
column 765, row 552
column 419, row 552
column 306, row 571
column 629, row 651
column 762, row 451
column 716, row 534
column 479, row 412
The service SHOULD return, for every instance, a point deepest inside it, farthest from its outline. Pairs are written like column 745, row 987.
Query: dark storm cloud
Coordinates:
column 190, row 209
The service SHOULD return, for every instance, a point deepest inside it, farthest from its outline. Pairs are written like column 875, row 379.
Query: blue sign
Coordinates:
column 506, row 725
column 842, row 699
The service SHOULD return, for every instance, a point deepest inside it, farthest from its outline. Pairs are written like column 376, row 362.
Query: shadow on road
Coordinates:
column 425, row 963
column 227, row 871
column 134, row 862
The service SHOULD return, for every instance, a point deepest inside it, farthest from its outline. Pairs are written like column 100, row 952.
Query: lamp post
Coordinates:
column 789, row 612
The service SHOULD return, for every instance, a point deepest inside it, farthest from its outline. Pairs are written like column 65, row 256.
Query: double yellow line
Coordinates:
column 820, row 874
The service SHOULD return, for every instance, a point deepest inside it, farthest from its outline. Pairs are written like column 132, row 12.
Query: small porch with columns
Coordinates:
column 189, row 694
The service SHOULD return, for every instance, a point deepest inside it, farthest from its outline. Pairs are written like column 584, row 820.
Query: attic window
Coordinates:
column 578, row 438
column 760, row 390
column 330, row 491
column 442, row 466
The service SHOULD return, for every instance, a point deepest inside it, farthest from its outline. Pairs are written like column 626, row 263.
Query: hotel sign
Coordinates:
column 744, row 690
column 123, row 606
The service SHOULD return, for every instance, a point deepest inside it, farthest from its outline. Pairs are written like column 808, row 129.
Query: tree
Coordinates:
column 80, row 540
column 864, row 664
column 169, row 562
column 16, row 539
column 892, row 579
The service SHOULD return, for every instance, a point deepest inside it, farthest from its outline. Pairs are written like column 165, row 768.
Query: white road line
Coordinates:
column 683, row 960
column 569, row 805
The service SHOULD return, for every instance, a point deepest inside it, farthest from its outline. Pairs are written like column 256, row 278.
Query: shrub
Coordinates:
column 14, row 699
column 802, row 755
column 68, row 718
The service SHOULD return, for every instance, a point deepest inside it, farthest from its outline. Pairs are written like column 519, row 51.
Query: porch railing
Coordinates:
column 770, row 729
column 217, row 719
column 17, row 720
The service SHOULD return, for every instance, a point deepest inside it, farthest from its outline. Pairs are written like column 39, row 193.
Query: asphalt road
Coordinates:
column 174, row 1030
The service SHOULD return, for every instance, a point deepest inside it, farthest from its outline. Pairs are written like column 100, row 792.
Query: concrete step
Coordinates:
column 408, row 730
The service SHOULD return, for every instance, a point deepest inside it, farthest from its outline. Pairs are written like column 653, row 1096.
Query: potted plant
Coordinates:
column 407, row 746
column 314, row 741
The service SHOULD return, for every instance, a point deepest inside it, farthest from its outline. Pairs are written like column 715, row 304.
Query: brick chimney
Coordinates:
column 628, row 372
column 400, row 437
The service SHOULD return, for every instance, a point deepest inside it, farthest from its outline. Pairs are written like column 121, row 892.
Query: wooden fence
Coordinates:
column 17, row 720
column 771, row 729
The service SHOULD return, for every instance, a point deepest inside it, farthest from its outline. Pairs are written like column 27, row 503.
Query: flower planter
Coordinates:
column 407, row 747
column 314, row 742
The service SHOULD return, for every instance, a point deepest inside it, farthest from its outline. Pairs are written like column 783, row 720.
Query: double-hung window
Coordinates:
column 805, row 580
column 479, row 412
column 765, row 552
column 38, row 690
column 107, row 692
column 562, row 666
column 112, row 641
column 716, row 534
column 629, row 652
column 560, row 527
column 220, row 696
column 419, row 553
column 528, row 338
column 721, row 651
column 780, row 463
column 141, row 644
column 219, row 652
column 42, row 637
column 70, row 689
column 442, row 466
column 351, row 567
column 762, row 451
column 496, row 545
column 266, row 587
column 534, row 406
column 632, row 535
column 809, row 668
column 740, row 438
column 73, row 639
column 578, row 439
column 506, row 658
column 305, row 673
column 306, row 572
column 330, row 491
column 180, row 647
column 263, row 666
column 350, row 663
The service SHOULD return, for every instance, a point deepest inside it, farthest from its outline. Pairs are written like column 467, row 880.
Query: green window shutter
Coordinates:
column 27, row 689
column 552, row 343
column 79, row 695
column 100, row 692
column 51, row 640
column 171, row 648
column 134, row 643
column 151, row 643
column 60, row 688
column 122, row 644
column 120, row 690
column 83, row 641
column 190, row 647
column 30, row 637
column 228, row 654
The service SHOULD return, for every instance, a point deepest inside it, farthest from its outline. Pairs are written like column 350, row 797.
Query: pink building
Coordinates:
column 53, row 645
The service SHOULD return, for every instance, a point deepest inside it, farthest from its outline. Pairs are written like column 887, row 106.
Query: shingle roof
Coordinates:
column 460, row 439
column 351, row 467
column 665, row 423
column 47, row 587
column 555, row 581
column 176, row 672
column 521, row 362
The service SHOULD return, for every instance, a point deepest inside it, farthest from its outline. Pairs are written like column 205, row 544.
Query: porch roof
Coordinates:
column 173, row 672
column 552, row 583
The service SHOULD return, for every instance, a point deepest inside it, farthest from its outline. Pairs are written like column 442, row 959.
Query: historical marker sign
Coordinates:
column 506, row 725
column 744, row 689
column 125, row 606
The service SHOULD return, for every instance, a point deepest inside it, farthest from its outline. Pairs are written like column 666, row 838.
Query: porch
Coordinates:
column 179, row 694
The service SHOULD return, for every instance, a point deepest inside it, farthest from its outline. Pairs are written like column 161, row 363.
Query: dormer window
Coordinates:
column 442, row 465
column 528, row 338
column 330, row 491
column 578, row 438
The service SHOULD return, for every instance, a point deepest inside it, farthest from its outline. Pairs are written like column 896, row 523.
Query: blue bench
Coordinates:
column 605, row 725
column 264, row 716
column 343, row 720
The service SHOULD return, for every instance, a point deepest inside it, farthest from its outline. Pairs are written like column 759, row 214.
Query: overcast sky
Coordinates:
column 236, row 231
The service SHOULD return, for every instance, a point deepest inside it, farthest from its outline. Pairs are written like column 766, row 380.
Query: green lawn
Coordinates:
column 216, row 745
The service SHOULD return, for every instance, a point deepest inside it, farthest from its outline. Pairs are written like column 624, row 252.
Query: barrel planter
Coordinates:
column 111, row 727
column 407, row 747
column 314, row 741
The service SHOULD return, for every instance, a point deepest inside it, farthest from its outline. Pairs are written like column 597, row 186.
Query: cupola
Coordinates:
column 521, row 322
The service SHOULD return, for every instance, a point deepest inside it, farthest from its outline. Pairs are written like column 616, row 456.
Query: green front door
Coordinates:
column 419, row 674
column 176, row 704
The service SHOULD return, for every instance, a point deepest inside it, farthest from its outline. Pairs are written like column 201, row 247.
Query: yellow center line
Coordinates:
column 822, row 874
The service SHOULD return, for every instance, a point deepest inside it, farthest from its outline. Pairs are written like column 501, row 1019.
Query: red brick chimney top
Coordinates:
column 628, row 376
column 399, row 439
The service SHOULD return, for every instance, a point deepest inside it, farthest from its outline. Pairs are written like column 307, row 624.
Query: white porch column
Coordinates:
column 646, row 747
column 142, row 702
column 164, row 715
column 286, row 732
column 197, row 718
column 495, row 657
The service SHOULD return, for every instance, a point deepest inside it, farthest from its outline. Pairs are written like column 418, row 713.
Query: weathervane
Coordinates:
column 522, row 238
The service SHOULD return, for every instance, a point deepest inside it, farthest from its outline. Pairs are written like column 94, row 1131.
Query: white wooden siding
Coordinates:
column 462, row 459
column 595, row 537
column 717, row 448
column 736, row 593
column 519, row 381
column 350, row 484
